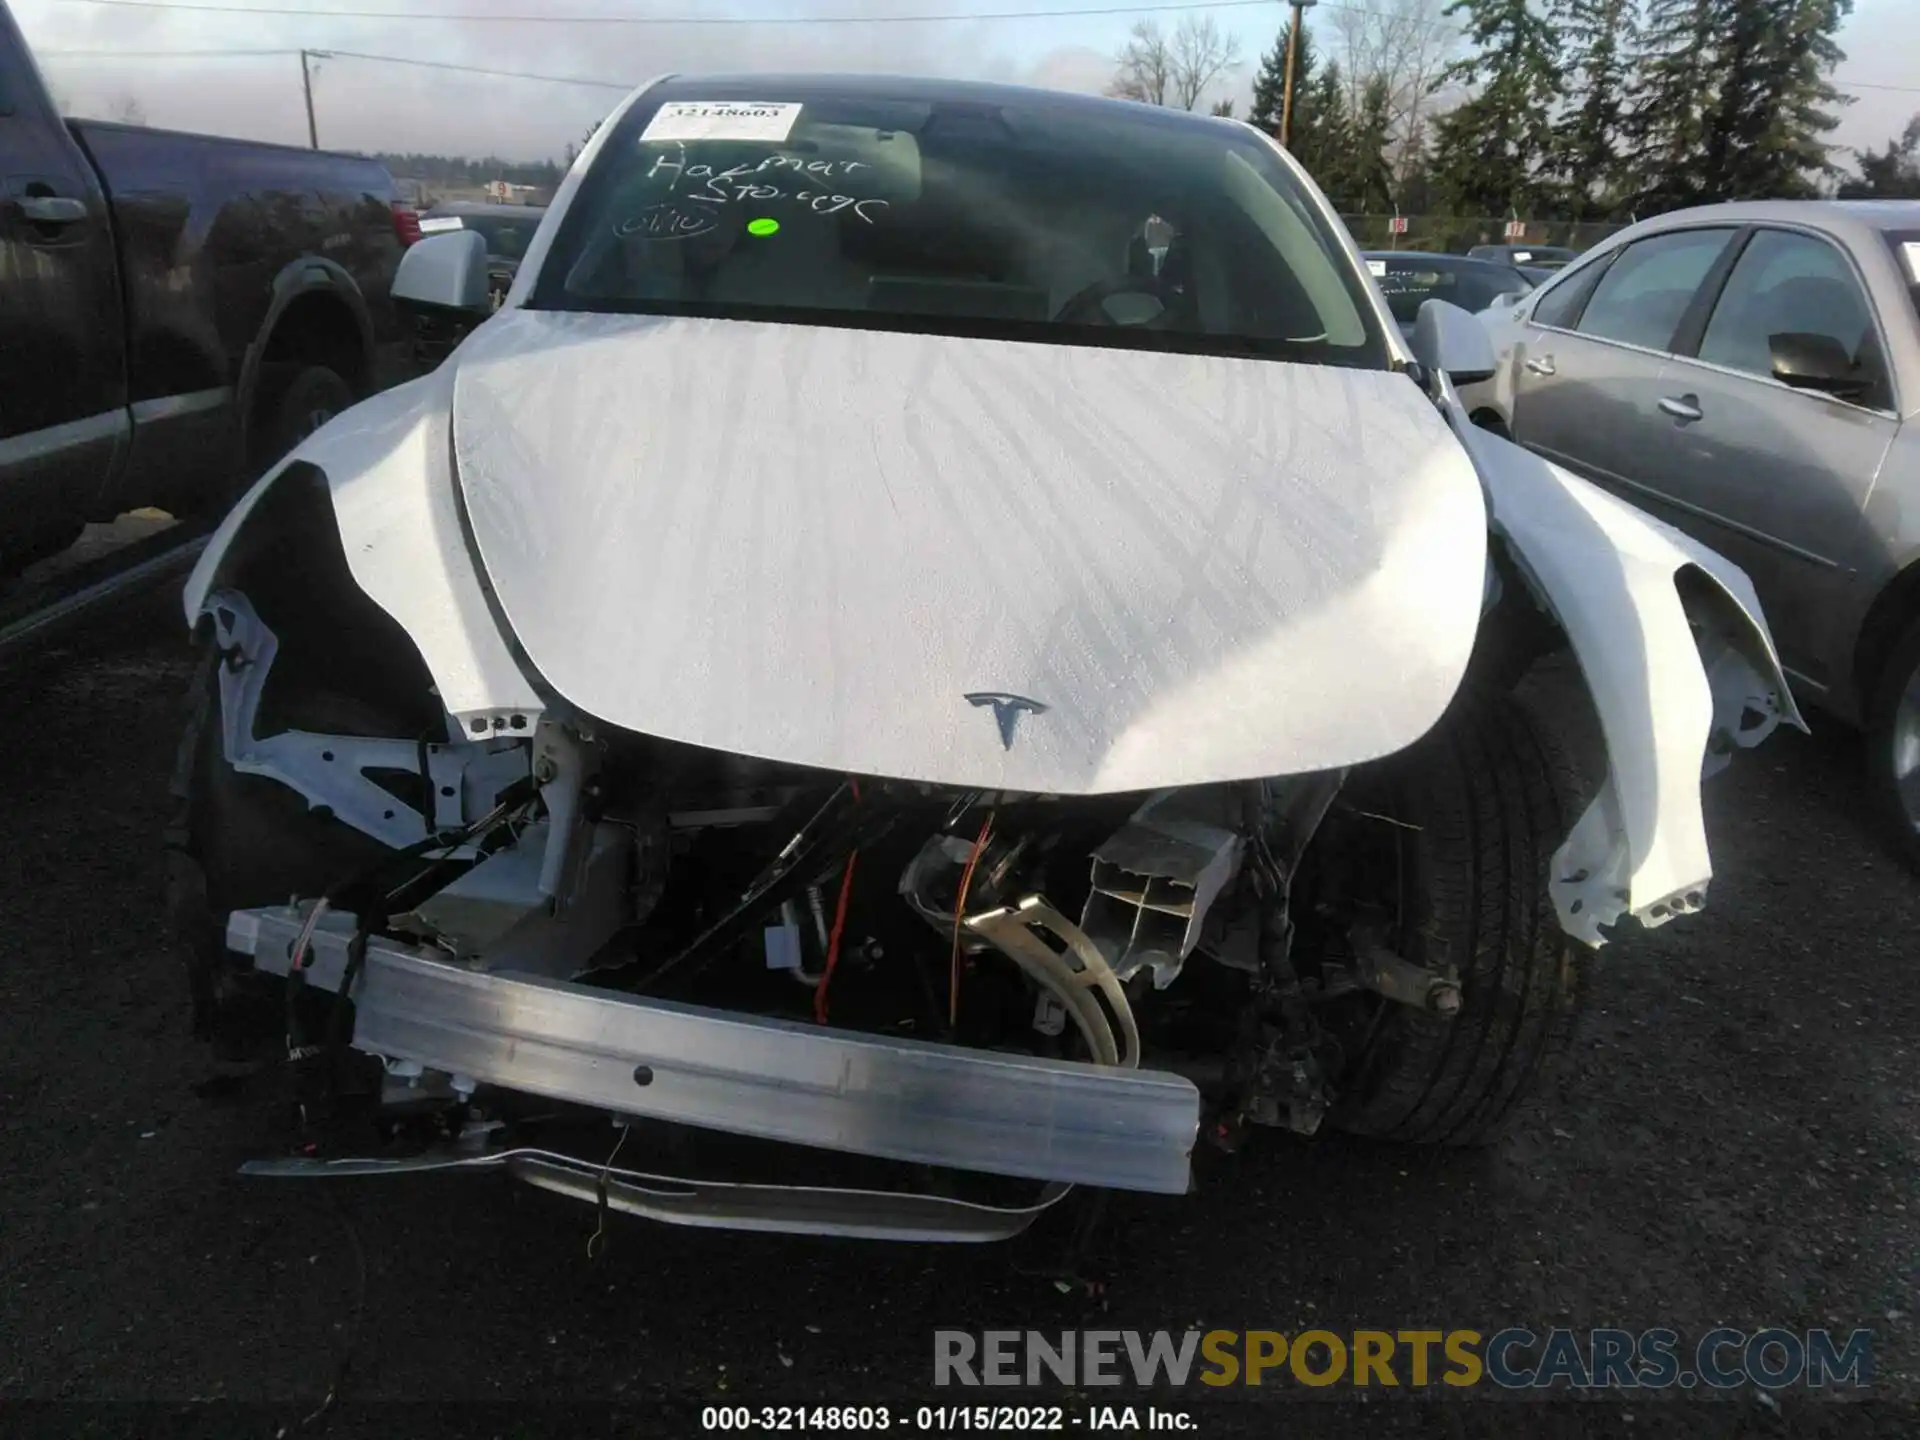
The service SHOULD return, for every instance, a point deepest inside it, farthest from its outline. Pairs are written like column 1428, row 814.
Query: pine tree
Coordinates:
column 1269, row 85
column 1492, row 151
column 1740, row 116
column 1792, row 153
column 1890, row 174
column 1369, row 173
column 1321, row 132
column 1666, row 122
column 1597, row 36
column 1734, row 101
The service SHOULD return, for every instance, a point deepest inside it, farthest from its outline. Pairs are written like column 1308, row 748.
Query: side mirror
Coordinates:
column 447, row 271
column 1815, row 362
column 1447, row 338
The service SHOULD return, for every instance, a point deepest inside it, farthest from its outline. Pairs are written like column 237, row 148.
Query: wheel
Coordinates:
column 237, row 841
column 1893, row 744
column 1482, row 804
column 308, row 398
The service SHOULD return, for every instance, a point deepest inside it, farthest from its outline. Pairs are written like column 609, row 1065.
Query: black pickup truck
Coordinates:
column 175, row 310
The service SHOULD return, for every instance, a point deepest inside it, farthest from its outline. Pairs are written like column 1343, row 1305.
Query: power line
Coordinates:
column 622, row 85
column 157, row 54
column 941, row 18
column 1869, row 85
column 554, row 79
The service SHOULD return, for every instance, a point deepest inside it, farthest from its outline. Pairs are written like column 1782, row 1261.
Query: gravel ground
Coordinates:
column 1734, row 1141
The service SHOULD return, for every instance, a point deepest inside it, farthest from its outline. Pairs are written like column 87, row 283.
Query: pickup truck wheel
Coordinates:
column 1893, row 744
column 306, row 400
column 237, row 841
column 1492, row 796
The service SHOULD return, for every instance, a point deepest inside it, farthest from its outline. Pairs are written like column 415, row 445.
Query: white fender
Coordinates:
column 388, row 466
column 1677, row 685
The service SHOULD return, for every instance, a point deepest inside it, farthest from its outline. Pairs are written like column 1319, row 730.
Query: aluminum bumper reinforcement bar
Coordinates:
column 897, row 1099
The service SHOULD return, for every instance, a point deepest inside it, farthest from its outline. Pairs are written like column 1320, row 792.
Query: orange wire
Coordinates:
column 959, row 914
column 839, row 926
column 833, row 941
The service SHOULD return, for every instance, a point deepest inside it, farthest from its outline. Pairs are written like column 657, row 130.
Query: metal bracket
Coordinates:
column 1380, row 970
column 1155, row 878
column 1073, row 975
column 331, row 772
column 711, row 1204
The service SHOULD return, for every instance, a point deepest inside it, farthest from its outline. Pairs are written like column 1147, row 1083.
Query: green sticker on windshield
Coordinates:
column 763, row 226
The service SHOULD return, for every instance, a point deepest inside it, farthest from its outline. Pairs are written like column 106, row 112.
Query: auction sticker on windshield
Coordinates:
column 721, row 120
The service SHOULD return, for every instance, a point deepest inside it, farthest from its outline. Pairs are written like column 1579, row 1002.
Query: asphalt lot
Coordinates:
column 1735, row 1141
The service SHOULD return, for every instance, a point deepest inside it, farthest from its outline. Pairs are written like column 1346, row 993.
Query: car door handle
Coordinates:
column 1542, row 366
column 52, row 209
column 1684, row 408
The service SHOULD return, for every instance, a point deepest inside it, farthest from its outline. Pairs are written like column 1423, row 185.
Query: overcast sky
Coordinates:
column 365, row 105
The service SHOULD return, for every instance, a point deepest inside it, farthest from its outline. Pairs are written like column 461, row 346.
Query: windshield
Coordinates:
column 1408, row 284
column 1013, row 215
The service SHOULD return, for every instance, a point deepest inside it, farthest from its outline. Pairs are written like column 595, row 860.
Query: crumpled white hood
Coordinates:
column 813, row 544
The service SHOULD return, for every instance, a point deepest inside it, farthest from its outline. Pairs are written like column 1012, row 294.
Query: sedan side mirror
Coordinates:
column 1445, row 337
column 1815, row 362
column 447, row 271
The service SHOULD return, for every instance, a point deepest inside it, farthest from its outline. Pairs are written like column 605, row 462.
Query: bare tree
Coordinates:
column 1409, row 43
column 1223, row 108
column 1202, row 53
column 127, row 110
column 1159, row 71
column 1144, row 70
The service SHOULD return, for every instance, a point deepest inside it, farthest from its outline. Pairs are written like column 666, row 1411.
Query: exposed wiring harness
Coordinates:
column 839, row 923
column 358, row 893
column 833, row 939
column 960, row 917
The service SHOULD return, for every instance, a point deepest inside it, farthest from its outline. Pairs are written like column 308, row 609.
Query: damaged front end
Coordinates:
column 954, row 990
column 947, row 980
column 479, row 917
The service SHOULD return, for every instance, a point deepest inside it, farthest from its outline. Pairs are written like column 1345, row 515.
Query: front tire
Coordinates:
column 240, row 841
column 1893, row 745
column 1488, row 795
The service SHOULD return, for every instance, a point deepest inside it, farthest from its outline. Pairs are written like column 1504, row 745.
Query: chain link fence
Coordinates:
column 1458, row 233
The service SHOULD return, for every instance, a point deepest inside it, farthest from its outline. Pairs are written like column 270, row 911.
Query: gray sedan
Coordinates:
column 1751, row 373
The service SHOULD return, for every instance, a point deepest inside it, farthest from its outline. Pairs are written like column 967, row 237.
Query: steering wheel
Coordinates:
column 1088, row 307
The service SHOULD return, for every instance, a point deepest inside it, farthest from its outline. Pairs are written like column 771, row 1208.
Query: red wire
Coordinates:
column 839, row 925
column 959, row 914
column 833, row 941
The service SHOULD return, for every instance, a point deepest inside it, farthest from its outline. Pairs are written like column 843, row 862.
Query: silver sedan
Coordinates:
column 1751, row 373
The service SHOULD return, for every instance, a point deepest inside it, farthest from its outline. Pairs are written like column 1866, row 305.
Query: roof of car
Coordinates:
column 1854, row 219
column 1445, row 255
column 768, row 88
column 481, row 207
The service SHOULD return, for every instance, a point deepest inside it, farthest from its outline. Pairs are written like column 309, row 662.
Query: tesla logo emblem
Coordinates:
column 1006, row 711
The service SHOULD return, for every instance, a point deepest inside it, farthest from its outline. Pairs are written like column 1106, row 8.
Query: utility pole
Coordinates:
column 1286, row 93
column 306, row 84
